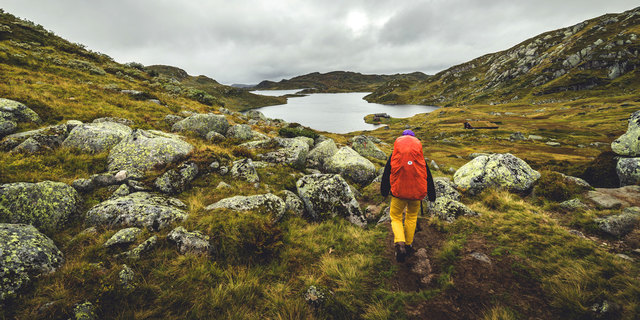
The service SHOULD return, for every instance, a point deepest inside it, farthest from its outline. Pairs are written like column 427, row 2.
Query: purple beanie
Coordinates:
column 408, row 133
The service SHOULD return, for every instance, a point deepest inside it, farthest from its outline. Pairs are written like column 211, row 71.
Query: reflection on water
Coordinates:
column 335, row 112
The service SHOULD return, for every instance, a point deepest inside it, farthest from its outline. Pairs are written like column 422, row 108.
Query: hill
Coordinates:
column 337, row 81
column 598, row 57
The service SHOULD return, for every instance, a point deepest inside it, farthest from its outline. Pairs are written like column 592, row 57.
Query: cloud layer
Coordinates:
column 249, row 41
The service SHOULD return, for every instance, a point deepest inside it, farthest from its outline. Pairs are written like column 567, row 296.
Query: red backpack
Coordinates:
column 408, row 169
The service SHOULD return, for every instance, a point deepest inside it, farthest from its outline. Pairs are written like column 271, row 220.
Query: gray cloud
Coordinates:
column 249, row 41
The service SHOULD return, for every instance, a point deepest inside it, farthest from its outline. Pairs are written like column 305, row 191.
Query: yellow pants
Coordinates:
column 404, row 233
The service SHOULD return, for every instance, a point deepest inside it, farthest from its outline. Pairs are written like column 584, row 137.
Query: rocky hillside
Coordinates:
column 337, row 81
column 598, row 57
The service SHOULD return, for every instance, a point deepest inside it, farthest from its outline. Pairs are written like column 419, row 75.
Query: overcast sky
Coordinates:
column 248, row 41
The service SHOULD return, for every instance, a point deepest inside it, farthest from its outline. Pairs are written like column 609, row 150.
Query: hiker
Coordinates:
column 408, row 178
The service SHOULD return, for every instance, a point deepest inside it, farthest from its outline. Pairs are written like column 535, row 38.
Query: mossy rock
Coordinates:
column 629, row 143
column 628, row 170
column 240, row 132
column 328, row 195
column 504, row 171
column 46, row 205
column 263, row 203
column 352, row 165
column 323, row 150
column 26, row 253
column 18, row 111
column 367, row 148
column 96, row 137
column 201, row 124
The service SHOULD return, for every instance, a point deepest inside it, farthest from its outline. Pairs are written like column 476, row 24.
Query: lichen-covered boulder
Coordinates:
column 48, row 137
column 321, row 152
column 18, row 112
column 448, row 209
column 46, row 205
column 256, row 115
column 240, row 132
column 628, row 170
column 621, row 224
column 7, row 126
column 352, row 165
column 96, row 137
column 496, row 171
column 143, row 150
column 294, row 152
column 262, row 203
column 193, row 242
column 328, row 195
column 123, row 237
column 177, row 180
column 201, row 124
column 139, row 209
column 293, row 203
column 84, row 311
column 245, row 170
column 25, row 253
column 446, row 189
column 366, row 148
column 629, row 143
column 171, row 119
column 143, row 248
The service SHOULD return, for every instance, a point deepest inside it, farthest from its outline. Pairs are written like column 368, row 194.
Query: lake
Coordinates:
column 334, row 112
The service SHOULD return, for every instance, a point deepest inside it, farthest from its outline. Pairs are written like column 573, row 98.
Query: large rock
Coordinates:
column 139, row 209
column 628, row 170
column 25, row 253
column 193, row 242
column 328, row 195
column 495, row 171
column 448, row 209
column 293, row 203
column 18, row 112
column 321, row 152
column 123, row 237
column 350, row 164
column 293, row 152
column 240, row 132
column 446, row 189
column 143, row 150
column 262, row 203
column 96, row 137
column 245, row 170
column 177, row 180
column 48, row 137
column 629, row 143
column 46, row 205
column 201, row 124
column 611, row 198
column 366, row 148
column 622, row 224
column 7, row 126
column 256, row 115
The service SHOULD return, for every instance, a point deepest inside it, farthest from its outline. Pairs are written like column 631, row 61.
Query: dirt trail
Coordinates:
column 477, row 286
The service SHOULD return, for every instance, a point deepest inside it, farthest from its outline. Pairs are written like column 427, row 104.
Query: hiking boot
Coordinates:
column 401, row 252
column 409, row 249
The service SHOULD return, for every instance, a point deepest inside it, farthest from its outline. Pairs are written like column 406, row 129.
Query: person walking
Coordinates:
column 408, row 179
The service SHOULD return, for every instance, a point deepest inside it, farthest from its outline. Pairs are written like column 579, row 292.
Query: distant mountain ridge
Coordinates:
column 598, row 55
column 338, row 81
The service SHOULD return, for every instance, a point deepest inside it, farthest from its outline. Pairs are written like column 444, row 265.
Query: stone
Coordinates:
column 171, row 119
column 573, row 204
column 610, row 198
column 256, row 115
column 84, row 311
column 240, row 132
column 28, row 146
column 144, row 150
column 262, row 203
column 245, row 170
column 126, row 277
column 621, row 224
column 26, row 253
column 95, row 181
column 422, row 266
column 18, row 112
column 352, row 165
column 96, row 137
column 577, row 181
column 121, row 175
column 366, row 148
column 139, row 209
column 46, row 205
column 628, row 170
column 48, row 137
column 446, row 189
column 213, row 136
column 535, row 137
column 480, row 257
column 223, row 185
column 496, row 171
column 386, row 216
column 123, row 237
column 141, row 249
column 122, row 121
column 435, row 166
column 328, row 195
column 294, row 152
column 7, row 127
column 629, row 143
column 315, row 296
column 449, row 210
column 293, row 203
column 201, row 124
column 189, row 242
column 321, row 152
column 517, row 136
column 553, row 144
column 177, row 180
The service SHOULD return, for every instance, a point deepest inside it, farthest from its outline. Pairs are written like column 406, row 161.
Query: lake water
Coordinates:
column 334, row 112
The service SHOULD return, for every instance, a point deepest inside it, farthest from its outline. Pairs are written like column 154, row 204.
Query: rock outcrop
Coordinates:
column 629, row 143
column 26, row 253
column 293, row 203
column 189, row 242
column 201, row 124
column 328, row 195
column 46, row 205
column 496, row 171
column 322, row 151
column 177, row 180
column 352, row 165
column 139, row 209
column 96, row 137
column 262, row 203
column 366, row 148
column 293, row 152
column 245, row 170
column 240, row 132
column 622, row 224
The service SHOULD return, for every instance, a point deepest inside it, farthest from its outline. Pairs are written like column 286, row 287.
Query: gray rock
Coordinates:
column 328, row 195
column 46, row 205
column 262, row 203
column 245, row 170
column 240, row 132
column 422, row 267
column 126, row 277
column 352, row 165
column 553, row 144
column 496, row 171
column 256, row 115
column 321, row 152
column 143, row 150
column 366, row 148
column 177, row 180
column 316, row 297
column 386, row 216
column 535, row 137
column 480, row 257
column 26, row 253
column 449, row 210
column 48, row 137
column 223, row 185
column 517, row 136
column 123, row 237
column 201, row 124
column 620, row 225
column 629, row 143
column 293, row 203
column 141, row 249
column 28, row 146
column 122, row 191
column 17, row 111
column 294, row 152
column 213, row 136
column 7, row 127
column 84, row 311
column 96, row 137
column 609, row 198
column 94, row 182
column 193, row 242
column 434, row 165
column 577, row 181
column 446, row 189
column 139, row 209
column 122, row 121
column 171, row 119
column 574, row 204
column 628, row 170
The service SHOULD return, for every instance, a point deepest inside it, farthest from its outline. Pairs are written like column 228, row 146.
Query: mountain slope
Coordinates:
column 598, row 57
column 337, row 81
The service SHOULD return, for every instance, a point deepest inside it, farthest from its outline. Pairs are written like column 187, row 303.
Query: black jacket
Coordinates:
column 385, row 185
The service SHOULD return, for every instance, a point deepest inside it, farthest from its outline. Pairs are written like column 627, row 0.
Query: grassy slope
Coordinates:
column 260, row 269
